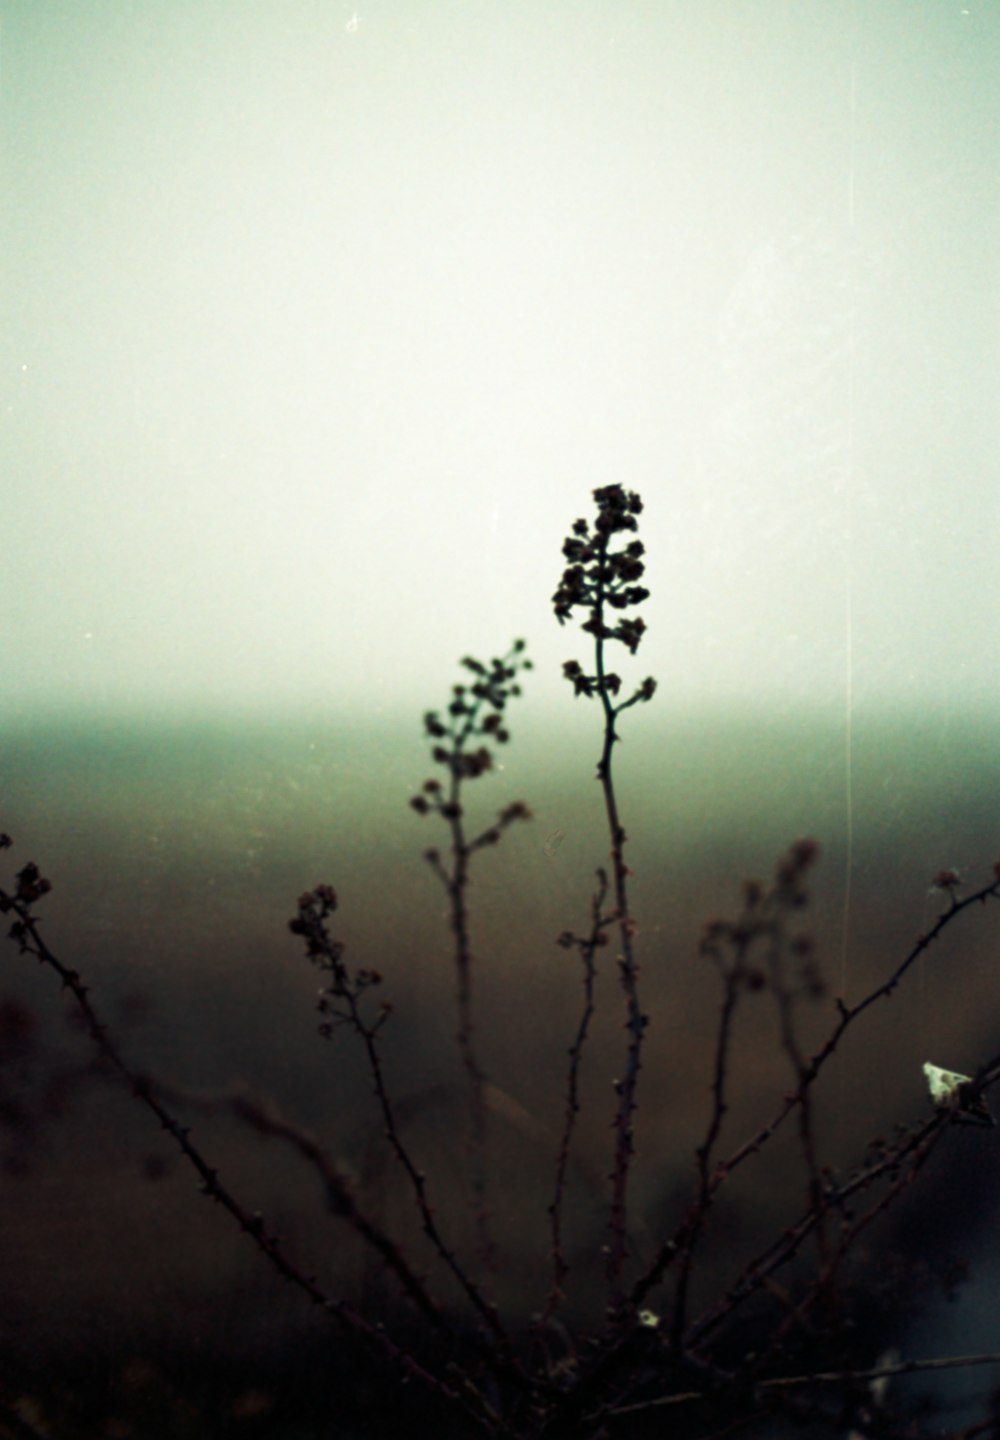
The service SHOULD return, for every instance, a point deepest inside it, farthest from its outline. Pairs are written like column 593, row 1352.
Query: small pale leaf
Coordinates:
column 948, row 1091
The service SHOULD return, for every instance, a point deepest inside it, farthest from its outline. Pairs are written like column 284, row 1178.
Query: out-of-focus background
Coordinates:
column 320, row 325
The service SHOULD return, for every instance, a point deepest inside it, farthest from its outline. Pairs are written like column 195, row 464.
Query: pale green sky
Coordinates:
column 321, row 321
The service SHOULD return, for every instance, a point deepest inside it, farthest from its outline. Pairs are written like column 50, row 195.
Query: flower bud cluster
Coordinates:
column 600, row 579
column 339, row 999
column 475, row 713
column 31, row 886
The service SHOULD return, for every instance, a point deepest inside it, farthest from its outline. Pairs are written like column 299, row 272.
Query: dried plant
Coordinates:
column 475, row 712
column 654, row 1357
column 602, row 580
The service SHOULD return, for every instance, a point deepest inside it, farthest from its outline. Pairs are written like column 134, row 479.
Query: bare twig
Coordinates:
column 343, row 1000
column 819, row 1377
column 25, row 931
column 587, row 947
column 735, row 976
column 265, row 1119
column 915, row 1147
column 847, row 1016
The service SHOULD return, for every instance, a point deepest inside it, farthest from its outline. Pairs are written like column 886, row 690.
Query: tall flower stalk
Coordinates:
column 602, row 579
column 474, row 714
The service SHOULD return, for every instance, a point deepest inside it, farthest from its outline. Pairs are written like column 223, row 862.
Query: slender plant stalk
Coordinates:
column 588, row 946
column 602, row 580
column 475, row 712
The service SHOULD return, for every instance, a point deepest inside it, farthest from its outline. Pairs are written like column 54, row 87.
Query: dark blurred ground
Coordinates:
column 177, row 853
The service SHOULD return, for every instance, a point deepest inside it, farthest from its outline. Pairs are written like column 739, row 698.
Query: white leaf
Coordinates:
column 948, row 1092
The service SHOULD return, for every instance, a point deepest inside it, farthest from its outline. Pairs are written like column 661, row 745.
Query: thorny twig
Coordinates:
column 614, row 1358
column 31, row 887
column 603, row 580
column 820, row 1377
column 265, row 1119
column 847, row 1016
column 342, row 1000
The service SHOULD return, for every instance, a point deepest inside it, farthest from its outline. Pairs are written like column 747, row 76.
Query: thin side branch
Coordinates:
column 25, row 930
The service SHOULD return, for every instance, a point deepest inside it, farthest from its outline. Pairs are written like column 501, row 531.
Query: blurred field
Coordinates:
column 177, row 853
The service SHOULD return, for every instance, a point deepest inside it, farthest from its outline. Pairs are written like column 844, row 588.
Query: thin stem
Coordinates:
column 587, row 948
column 847, row 1015
column 375, row 1337
column 784, row 1248
column 465, row 1037
column 342, row 999
column 492, row 687
column 820, row 1377
column 266, row 1120
column 720, row 1104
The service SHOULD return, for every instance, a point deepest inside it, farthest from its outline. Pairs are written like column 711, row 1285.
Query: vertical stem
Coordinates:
column 636, row 1021
column 603, row 580
column 587, row 948
column 474, row 712
column 466, row 1026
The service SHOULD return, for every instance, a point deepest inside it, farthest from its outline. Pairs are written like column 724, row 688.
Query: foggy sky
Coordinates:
column 321, row 322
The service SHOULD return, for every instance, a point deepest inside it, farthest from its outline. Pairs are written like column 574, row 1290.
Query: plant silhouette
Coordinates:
column 649, row 1357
